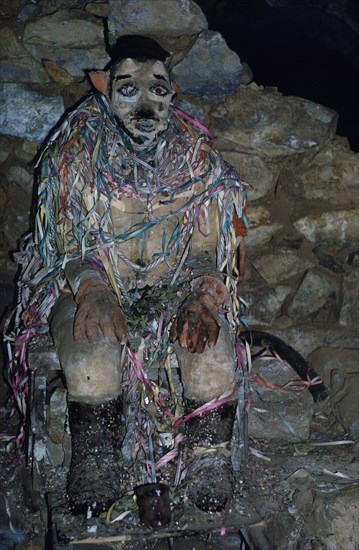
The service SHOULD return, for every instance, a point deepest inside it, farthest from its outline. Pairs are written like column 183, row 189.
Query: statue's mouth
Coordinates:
column 145, row 124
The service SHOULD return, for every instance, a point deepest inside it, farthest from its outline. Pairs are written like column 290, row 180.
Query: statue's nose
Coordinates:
column 144, row 111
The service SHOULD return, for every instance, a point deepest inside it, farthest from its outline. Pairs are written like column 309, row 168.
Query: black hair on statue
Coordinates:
column 137, row 47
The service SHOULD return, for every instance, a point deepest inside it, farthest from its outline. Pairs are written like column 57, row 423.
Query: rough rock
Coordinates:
column 3, row 156
column 9, row 145
column 28, row 12
column 26, row 113
column 264, row 303
column 313, row 292
column 54, row 453
column 14, row 214
column 98, row 9
column 277, row 125
column 247, row 74
column 10, row 8
column 278, row 414
column 71, row 38
column 16, row 64
column 353, row 258
column 348, row 316
column 307, row 337
column 27, row 152
column 330, row 517
column 328, row 260
column 57, row 415
column 259, row 175
column 210, row 70
column 281, row 264
column 338, row 227
column 180, row 17
column 261, row 226
column 50, row 6
column 195, row 111
column 19, row 176
column 177, row 46
column 339, row 369
column 332, row 176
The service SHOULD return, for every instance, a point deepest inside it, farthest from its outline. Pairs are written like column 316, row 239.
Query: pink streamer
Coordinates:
column 217, row 402
column 193, row 120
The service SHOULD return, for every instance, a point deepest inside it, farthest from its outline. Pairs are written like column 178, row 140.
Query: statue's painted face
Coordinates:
column 140, row 97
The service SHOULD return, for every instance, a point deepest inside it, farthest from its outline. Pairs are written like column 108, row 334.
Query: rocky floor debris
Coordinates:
column 292, row 495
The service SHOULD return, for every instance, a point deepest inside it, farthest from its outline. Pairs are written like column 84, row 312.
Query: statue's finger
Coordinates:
column 213, row 329
column 79, row 325
column 202, row 338
column 108, row 329
column 193, row 336
column 173, row 331
column 183, row 335
column 181, row 321
column 92, row 329
column 120, row 329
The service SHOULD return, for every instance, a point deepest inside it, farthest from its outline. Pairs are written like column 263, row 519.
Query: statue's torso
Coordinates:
column 141, row 207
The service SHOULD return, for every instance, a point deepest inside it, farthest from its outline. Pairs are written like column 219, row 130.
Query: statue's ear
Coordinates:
column 175, row 89
column 99, row 80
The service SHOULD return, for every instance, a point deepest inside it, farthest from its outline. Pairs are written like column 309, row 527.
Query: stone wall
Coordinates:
column 301, row 280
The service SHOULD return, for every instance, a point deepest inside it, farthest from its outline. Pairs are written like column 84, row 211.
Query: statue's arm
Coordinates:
column 75, row 211
column 197, row 321
column 78, row 271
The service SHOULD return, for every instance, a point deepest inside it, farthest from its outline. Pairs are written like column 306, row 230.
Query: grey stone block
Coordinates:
column 278, row 414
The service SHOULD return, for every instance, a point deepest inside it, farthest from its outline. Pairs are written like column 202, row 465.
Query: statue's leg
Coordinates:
column 93, row 374
column 204, row 377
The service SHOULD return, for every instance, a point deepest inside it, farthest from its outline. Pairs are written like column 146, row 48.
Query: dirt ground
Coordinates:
column 300, row 496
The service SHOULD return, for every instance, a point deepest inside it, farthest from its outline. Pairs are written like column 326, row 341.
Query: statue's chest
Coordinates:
column 158, row 227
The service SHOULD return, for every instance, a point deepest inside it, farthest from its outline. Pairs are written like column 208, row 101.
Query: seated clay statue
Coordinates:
column 133, row 267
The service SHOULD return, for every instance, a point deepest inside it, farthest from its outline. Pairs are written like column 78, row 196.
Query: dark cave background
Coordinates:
column 306, row 48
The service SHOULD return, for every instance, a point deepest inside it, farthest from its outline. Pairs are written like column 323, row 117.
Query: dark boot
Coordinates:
column 209, row 477
column 95, row 479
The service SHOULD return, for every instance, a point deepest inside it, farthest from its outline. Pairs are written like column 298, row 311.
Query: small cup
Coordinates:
column 153, row 501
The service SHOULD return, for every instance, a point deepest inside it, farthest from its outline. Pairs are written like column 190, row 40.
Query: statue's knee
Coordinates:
column 93, row 372
column 209, row 374
column 62, row 317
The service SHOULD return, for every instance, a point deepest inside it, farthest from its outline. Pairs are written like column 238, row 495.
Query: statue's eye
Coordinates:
column 160, row 90
column 128, row 90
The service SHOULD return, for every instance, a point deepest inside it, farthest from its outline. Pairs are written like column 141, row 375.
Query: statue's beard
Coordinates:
column 145, row 136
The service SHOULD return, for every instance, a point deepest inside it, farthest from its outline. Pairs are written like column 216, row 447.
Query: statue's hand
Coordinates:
column 196, row 323
column 98, row 312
